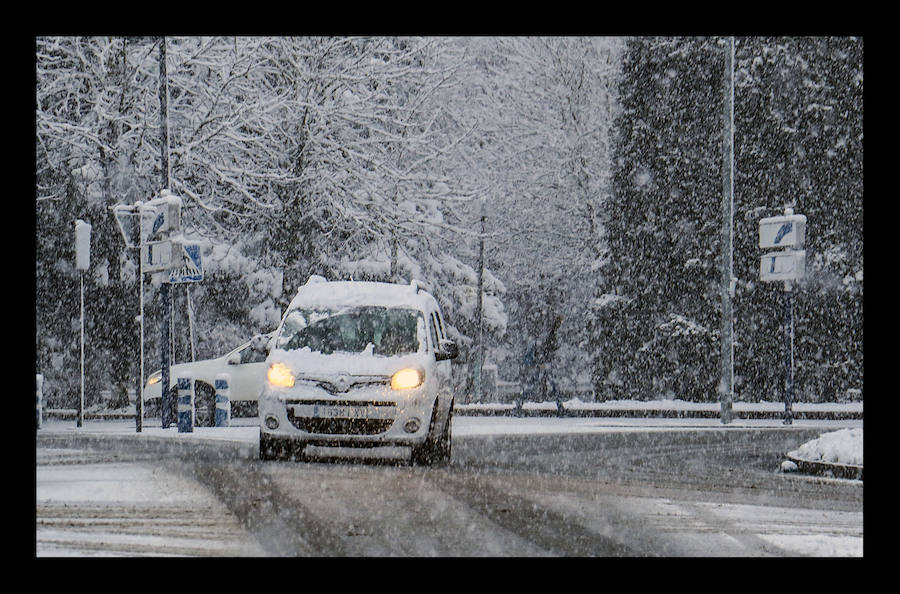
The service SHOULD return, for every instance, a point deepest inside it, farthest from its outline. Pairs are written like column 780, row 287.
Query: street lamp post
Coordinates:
column 166, row 400
column 479, row 313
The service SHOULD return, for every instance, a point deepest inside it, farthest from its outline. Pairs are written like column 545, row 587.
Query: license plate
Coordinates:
column 320, row 411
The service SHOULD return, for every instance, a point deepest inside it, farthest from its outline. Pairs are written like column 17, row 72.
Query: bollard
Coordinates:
column 185, row 405
column 223, row 400
column 40, row 400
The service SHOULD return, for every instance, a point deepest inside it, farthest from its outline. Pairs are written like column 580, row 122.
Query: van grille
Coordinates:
column 338, row 425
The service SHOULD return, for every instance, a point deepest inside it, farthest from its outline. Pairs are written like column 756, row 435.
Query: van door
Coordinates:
column 442, row 368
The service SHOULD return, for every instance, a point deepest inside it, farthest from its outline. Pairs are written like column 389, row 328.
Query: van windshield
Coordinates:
column 389, row 330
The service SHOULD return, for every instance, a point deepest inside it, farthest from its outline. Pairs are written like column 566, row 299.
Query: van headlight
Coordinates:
column 280, row 375
column 406, row 379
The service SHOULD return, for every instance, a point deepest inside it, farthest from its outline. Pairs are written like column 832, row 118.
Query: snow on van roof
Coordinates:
column 318, row 292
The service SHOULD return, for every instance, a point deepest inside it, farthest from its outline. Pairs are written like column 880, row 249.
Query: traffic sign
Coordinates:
column 782, row 266
column 161, row 217
column 788, row 231
column 190, row 269
column 82, row 245
column 129, row 220
column 157, row 256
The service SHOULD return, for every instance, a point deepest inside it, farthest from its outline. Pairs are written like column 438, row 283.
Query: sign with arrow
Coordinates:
column 161, row 218
column 788, row 231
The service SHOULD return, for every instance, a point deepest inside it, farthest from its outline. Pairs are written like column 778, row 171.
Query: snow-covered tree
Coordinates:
column 540, row 111
column 90, row 153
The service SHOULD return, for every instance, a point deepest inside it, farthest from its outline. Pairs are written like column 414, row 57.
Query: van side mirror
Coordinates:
column 447, row 349
column 260, row 344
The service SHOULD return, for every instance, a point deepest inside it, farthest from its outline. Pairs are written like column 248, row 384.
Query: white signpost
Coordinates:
column 787, row 232
column 82, row 263
column 154, row 228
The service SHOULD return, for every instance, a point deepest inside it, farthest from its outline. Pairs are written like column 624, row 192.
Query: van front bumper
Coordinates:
column 366, row 418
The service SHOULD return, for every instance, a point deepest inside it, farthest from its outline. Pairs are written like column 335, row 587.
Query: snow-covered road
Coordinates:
column 134, row 506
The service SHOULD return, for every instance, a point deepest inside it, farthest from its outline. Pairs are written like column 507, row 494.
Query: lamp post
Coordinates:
column 166, row 399
column 479, row 313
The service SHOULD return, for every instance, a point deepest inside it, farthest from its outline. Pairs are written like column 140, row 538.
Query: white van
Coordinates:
column 358, row 364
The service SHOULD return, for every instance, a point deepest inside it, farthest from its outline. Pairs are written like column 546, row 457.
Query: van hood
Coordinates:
column 306, row 363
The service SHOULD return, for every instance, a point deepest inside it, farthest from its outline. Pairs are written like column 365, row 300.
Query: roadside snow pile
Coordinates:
column 838, row 447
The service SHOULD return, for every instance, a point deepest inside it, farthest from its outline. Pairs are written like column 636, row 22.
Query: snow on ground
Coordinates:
column 837, row 447
column 843, row 445
column 126, row 509
column 132, row 484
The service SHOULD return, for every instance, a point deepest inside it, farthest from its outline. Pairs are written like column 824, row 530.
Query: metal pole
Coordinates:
column 173, row 355
column 166, row 414
column 479, row 352
column 788, row 352
column 139, row 397
column 164, row 286
column 726, row 382
column 190, row 309
column 164, row 113
column 81, row 400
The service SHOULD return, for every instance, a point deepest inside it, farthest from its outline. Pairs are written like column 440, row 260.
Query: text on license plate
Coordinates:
column 320, row 411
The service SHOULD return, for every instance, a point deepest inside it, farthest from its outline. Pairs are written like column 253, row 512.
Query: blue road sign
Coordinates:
column 191, row 270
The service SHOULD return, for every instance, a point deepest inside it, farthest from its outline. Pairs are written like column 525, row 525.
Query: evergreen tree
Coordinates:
column 657, row 307
column 799, row 143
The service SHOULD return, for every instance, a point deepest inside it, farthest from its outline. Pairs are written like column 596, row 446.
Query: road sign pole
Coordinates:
column 788, row 352
column 82, row 263
column 787, row 232
column 166, row 413
column 81, row 399
column 190, row 311
column 139, row 397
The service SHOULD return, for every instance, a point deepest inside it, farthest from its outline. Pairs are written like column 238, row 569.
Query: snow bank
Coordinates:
column 838, row 447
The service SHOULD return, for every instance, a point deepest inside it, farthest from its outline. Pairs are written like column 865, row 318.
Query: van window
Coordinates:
column 386, row 331
column 250, row 355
